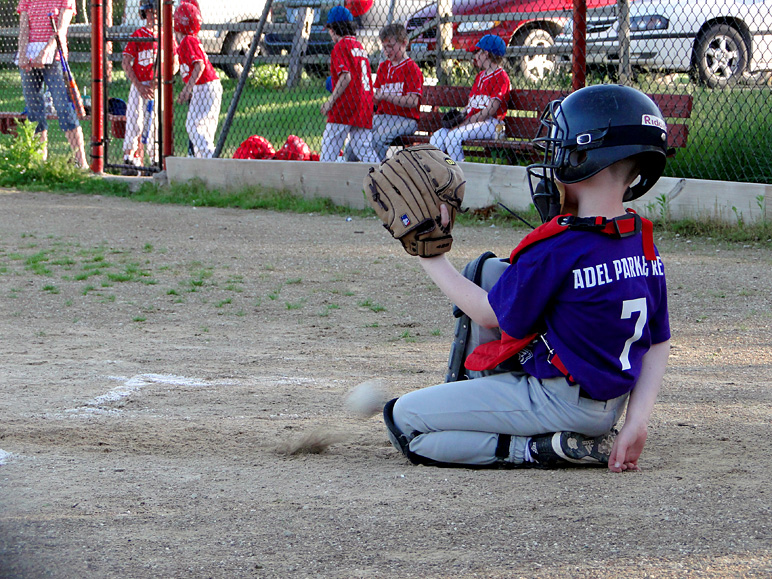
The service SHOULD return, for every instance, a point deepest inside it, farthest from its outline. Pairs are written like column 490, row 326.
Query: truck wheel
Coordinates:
column 721, row 56
column 236, row 44
column 535, row 67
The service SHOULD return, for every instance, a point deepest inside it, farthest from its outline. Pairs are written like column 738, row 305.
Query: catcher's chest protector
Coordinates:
column 489, row 355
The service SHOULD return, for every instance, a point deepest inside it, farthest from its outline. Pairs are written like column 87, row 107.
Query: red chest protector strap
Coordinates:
column 489, row 355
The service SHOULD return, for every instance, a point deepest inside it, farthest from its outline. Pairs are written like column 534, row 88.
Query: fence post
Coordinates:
column 305, row 17
column 623, row 9
column 579, row 67
column 444, row 40
column 167, row 82
column 97, row 88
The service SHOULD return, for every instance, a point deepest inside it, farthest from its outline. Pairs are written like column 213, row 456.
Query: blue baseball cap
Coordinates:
column 339, row 14
column 493, row 44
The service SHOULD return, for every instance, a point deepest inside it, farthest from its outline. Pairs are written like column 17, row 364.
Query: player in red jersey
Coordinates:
column 487, row 104
column 139, row 60
column 202, row 85
column 398, row 90
column 349, row 108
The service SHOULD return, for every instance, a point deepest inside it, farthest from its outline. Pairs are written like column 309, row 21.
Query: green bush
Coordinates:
column 19, row 154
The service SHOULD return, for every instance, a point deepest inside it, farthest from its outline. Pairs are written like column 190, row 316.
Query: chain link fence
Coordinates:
column 717, row 52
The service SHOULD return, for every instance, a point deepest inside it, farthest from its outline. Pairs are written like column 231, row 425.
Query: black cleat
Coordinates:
column 564, row 448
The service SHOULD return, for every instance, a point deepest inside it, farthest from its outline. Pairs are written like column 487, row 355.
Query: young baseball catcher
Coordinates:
column 573, row 327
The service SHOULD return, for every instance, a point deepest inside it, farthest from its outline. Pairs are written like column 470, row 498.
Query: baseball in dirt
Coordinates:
column 367, row 399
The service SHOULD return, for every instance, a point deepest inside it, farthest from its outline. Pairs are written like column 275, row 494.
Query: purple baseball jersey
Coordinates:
column 600, row 301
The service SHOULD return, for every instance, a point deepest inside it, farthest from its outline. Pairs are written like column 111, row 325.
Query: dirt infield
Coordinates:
column 155, row 357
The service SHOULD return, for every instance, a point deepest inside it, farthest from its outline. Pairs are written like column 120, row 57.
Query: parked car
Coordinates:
column 536, row 28
column 369, row 24
column 717, row 41
column 222, row 42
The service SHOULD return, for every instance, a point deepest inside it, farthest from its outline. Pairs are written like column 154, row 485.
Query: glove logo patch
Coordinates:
column 405, row 220
column 449, row 161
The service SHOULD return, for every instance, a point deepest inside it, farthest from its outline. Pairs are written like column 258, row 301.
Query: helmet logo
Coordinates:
column 584, row 139
column 652, row 121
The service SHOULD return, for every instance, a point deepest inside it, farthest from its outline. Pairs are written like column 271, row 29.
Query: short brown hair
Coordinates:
column 344, row 28
column 628, row 169
column 394, row 30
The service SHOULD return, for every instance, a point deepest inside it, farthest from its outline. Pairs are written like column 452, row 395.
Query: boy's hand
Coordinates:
column 184, row 95
column 627, row 448
column 146, row 91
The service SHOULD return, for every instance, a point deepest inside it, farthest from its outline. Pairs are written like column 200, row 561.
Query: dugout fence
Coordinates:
column 718, row 52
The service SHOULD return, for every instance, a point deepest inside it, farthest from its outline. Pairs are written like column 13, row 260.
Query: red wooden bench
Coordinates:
column 521, row 124
column 8, row 122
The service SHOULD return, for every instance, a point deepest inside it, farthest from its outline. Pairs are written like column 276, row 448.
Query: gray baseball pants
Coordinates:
column 459, row 422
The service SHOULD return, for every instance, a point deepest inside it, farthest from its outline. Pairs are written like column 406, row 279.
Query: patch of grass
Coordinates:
column 139, row 319
column 50, row 288
column 372, row 306
column 63, row 261
column 407, row 336
column 120, row 276
column 223, row 303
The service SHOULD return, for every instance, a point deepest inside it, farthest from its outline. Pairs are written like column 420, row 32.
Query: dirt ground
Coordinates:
column 155, row 357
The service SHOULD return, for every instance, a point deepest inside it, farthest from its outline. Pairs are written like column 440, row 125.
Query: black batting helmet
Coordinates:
column 594, row 128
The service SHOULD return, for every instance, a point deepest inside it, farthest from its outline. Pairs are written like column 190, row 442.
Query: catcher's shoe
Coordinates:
column 564, row 448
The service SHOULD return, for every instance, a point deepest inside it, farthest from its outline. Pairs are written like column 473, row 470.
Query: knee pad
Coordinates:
column 456, row 371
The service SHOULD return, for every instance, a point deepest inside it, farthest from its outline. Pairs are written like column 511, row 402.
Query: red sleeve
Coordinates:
column 414, row 80
column 500, row 87
column 335, row 63
column 131, row 47
column 381, row 75
column 196, row 52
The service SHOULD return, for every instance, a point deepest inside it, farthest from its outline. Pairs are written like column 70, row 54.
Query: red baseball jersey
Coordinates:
column 400, row 79
column 38, row 11
column 190, row 51
column 489, row 85
column 142, row 54
column 355, row 106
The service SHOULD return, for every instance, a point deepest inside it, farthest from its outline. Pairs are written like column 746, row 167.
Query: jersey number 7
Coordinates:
column 629, row 307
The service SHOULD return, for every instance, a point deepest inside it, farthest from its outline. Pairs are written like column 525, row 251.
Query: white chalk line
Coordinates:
column 102, row 405
column 135, row 384
column 4, row 457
